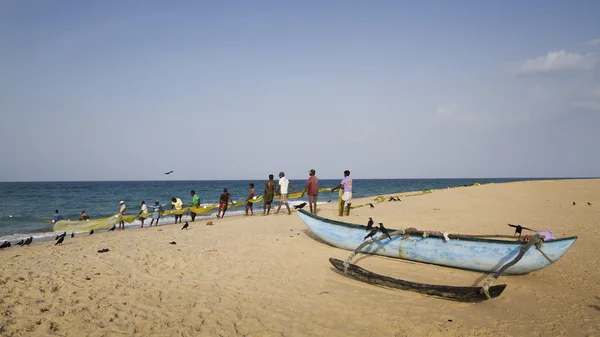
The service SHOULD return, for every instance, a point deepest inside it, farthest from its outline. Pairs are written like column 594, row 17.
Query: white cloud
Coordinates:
column 594, row 42
column 558, row 61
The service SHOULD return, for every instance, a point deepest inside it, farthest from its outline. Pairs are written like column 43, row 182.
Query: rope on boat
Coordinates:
column 366, row 243
column 539, row 247
column 535, row 240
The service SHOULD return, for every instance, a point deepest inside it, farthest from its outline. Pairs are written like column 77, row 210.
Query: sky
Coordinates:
column 127, row 90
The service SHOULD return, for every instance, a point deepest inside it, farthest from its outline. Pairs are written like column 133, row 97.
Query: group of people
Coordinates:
column 271, row 188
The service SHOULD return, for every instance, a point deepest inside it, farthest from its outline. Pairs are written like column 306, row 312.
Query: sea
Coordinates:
column 26, row 207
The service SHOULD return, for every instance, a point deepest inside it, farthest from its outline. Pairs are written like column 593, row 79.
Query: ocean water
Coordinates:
column 24, row 205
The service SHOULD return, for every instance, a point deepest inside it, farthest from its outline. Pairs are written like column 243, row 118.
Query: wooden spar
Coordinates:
column 461, row 294
column 493, row 277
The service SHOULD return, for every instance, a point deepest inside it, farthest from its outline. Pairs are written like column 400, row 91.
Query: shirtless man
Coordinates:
column 269, row 193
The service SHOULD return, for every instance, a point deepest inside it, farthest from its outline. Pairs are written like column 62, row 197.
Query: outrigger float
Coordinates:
column 494, row 254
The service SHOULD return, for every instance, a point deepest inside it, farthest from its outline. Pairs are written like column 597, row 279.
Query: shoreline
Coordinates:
column 47, row 236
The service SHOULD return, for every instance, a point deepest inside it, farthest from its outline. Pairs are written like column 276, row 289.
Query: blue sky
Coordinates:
column 126, row 90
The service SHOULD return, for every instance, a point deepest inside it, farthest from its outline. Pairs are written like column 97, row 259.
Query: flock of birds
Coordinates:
column 61, row 238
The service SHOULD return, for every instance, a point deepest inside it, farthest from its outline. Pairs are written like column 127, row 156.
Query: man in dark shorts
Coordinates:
column 269, row 194
column 250, row 197
column 223, row 201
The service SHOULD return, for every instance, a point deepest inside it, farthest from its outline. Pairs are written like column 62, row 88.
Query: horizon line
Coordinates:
column 337, row 178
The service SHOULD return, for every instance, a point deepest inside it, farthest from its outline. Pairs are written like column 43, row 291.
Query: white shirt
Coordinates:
column 144, row 209
column 283, row 185
column 178, row 204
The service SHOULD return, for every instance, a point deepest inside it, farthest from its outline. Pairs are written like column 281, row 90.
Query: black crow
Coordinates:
column 6, row 244
column 72, row 235
column 28, row 241
column 384, row 230
column 185, row 226
column 300, row 206
column 370, row 224
column 60, row 241
column 91, row 232
column 169, row 172
column 371, row 205
column 370, row 235
column 112, row 228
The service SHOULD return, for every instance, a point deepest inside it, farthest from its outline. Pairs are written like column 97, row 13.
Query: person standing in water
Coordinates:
column 57, row 217
column 84, row 216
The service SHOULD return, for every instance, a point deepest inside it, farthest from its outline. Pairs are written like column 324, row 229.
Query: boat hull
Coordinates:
column 484, row 255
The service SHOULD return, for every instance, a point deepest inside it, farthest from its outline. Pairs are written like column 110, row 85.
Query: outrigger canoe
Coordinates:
column 463, row 252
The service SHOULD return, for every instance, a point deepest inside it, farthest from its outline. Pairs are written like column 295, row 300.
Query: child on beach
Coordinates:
column 250, row 197
column 223, row 201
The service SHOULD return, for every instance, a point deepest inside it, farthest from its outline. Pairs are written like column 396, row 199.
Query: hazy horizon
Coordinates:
column 124, row 91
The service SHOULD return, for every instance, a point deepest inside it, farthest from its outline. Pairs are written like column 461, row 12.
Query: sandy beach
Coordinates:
column 269, row 276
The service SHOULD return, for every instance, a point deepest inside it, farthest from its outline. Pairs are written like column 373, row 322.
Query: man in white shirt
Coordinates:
column 282, row 190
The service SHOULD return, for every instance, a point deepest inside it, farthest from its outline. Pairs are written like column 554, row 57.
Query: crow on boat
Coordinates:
column 384, row 230
column 370, row 224
column 519, row 229
column 373, row 232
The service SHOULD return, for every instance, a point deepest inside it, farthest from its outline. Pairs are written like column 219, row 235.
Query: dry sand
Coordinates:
column 268, row 276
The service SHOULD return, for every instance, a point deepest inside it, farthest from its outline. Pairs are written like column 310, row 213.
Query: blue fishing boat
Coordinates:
column 482, row 254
